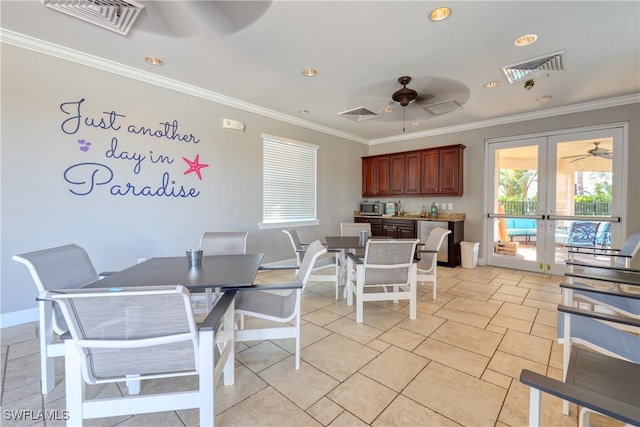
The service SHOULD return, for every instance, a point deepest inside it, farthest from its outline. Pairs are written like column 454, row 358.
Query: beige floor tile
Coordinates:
column 262, row 356
column 406, row 412
column 499, row 296
column 453, row 357
column 471, row 306
column 509, row 322
column 544, row 331
column 463, row 317
column 265, row 408
column 321, row 317
column 464, row 399
column 547, row 318
column 394, row 368
column 518, row 311
column 508, row 364
column 362, row 396
column 378, row 345
column 325, row 411
column 337, row 356
column 424, row 325
column 19, row 333
column 402, row 338
column 359, row 332
column 497, row 378
column 347, row 419
column 543, row 305
column 246, row 384
column 468, row 337
column 294, row 383
column 526, row 346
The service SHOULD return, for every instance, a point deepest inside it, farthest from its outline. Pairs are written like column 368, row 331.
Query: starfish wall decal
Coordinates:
column 194, row 166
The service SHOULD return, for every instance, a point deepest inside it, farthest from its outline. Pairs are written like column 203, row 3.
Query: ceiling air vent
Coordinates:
column 114, row 15
column 534, row 67
column 442, row 107
column 359, row 114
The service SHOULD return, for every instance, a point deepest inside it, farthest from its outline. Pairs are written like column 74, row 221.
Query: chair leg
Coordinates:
column 47, row 368
column 74, row 384
column 534, row 407
column 297, row 324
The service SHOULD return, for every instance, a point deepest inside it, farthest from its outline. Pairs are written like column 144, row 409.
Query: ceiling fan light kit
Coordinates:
column 405, row 95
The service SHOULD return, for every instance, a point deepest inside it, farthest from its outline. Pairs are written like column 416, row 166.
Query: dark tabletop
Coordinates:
column 218, row 271
column 348, row 242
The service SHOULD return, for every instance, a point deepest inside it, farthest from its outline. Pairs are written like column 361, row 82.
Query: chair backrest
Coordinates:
column 61, row 267
column 354, row 228
column 629, row 249
column 295, row 242
column 388, row 261
column 146, row 331
column 314, row 250
column 224, row 242
column 583, row 233
column 604, row 235
column 434, row 242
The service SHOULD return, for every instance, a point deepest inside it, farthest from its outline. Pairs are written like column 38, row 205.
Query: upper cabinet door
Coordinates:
column 430, row 172
column 451, row 170
column 375, row 176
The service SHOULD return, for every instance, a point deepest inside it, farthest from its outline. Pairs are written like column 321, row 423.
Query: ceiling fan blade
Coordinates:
column 580, row 158
column 608, row 155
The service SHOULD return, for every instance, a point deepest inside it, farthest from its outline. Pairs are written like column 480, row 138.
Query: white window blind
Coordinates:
column 288, row 180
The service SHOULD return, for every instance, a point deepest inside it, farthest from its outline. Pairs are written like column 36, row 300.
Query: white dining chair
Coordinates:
column 218, row 243
column 428, row 264
column 147, row 333
column 387, row 272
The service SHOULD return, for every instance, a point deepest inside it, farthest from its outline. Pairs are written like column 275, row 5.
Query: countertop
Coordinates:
column 449, row 217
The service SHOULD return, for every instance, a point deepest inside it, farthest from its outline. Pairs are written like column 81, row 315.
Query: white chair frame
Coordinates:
column 356, row 280
column 428, row 272
column 206, row 337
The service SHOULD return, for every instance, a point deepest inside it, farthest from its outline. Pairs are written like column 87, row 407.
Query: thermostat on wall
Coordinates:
column 233, row 124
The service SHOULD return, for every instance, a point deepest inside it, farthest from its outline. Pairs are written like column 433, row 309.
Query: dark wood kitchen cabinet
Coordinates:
column 399, row 228
column 428, row 172
column 375, row 176
column 376, row 224
column 442, row 171
column 405, row 173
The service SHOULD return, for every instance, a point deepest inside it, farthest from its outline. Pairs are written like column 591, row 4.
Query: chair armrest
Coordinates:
column 581, row 396
column 278, row 267
column 597, row 251
column 602, row 267
column 623, row 320
column 427, row 251
column 213, row 319
column 355, row 258
column 106, row 273
column 615, row 291
column 276, row 287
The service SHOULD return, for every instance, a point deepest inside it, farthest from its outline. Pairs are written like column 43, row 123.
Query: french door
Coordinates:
column 545, row 192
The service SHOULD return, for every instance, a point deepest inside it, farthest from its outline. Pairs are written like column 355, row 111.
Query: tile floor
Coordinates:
column 457, row 364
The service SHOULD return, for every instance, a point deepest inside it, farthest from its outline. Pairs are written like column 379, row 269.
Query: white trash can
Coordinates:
column 469, row 254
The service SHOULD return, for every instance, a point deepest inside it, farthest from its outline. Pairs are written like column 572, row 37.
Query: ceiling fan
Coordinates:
column 596, row 151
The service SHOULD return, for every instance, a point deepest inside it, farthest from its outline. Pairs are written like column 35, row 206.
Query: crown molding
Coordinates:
column 51, row 49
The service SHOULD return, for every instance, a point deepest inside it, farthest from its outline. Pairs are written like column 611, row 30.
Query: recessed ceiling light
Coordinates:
column 310, row 72
column 303, row 111
column 415, row 123
column 153, row 60
column 489, row 85
column 388, row 110
column 544, row 98
column 439, row 14
column 525, row 40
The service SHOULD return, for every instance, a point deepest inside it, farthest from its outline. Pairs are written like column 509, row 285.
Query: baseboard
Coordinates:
column 19, row 317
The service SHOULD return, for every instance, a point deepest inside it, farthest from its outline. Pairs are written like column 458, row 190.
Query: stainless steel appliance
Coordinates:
column 371, row 208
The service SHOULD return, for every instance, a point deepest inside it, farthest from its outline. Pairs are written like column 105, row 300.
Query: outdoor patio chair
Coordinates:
column 282, row 306
column 387, row 272
column 428, row 264
column 583, row 234
column 330, row 260
column 144, row 333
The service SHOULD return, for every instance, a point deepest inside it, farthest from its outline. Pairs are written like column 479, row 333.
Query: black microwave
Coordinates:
column 371, row 208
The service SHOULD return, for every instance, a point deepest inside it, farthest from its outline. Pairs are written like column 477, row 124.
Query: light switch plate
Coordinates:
column 443, row 206
column 450, row 206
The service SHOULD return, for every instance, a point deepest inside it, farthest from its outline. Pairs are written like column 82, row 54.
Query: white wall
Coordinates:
column 40, row 141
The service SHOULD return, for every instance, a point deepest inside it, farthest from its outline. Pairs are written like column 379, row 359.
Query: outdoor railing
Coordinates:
column 530, row 207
